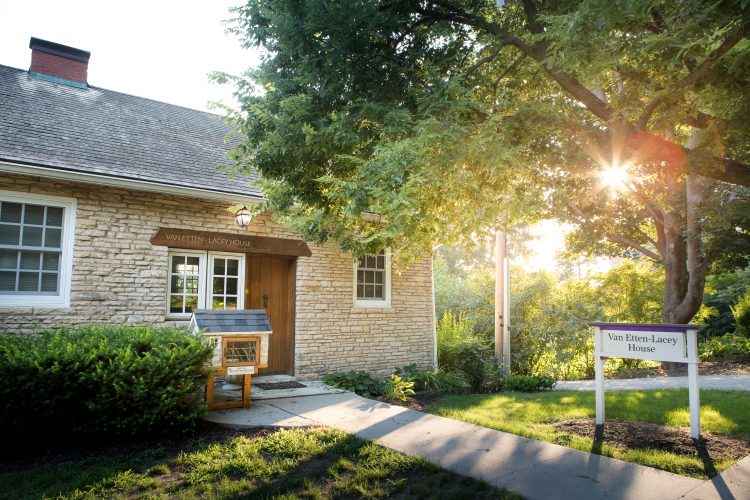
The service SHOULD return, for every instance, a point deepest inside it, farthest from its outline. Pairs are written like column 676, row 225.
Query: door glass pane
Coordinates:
column 175, row 304
column 191, row 284
column 231, row 303
column 178, row 264
column 217, row 303
column 10, row 212
column 193, row 265
column 191, row 303
column 176, row 284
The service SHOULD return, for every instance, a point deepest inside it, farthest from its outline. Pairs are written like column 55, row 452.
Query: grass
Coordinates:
column 284, row 464
column 532, row 415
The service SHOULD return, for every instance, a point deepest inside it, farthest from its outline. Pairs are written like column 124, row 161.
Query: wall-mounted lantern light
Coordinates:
column 243, row 217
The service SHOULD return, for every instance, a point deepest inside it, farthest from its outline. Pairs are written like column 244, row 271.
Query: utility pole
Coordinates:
column 502, row 302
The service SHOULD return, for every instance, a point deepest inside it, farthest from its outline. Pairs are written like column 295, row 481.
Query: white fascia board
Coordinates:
column 140, row 185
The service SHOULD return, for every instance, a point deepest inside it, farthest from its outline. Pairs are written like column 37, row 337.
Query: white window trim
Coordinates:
column 62, row 299
column 381, row 303
column 201, row 282
column 206, row 271
column 240, row 280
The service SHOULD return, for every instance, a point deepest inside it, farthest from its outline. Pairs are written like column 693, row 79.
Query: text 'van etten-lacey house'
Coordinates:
column 113, row 210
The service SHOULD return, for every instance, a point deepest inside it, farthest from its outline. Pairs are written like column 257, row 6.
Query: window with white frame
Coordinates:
column 372, row 280
column 36, row 249
column 200, row 280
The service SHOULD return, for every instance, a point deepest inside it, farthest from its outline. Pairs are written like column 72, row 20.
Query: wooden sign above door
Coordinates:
column 226, row 242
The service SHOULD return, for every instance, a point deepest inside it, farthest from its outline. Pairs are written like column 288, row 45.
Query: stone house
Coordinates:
column 113, row 210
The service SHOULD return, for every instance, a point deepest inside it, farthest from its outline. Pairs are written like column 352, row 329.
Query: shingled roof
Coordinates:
column 231, row 321
column 100, row 132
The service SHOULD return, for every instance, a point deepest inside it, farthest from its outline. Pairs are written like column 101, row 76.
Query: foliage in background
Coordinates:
column 101, row 380
column 461, row 350
column 741, row 314
column 356, row 381
column 525, row 383
column 723, row 292
column 730, row 346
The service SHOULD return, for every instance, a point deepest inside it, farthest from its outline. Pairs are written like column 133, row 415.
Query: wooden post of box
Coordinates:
column 241, row 340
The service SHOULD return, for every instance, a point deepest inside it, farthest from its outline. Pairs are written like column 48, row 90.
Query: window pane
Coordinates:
column 362, row 262
column 178, row 264
column 231, row 303
column 191, row 303
column 32, row 236
column 8, row 259
column 30, row 260
column 52, row 237
column 54, row 216
column 381, row 261
column 231, row 286
column 9, row 234
column 219, row 265
column 379, row 277
column 378, row 291
column 233, row 267
column 191, row 284
column 369, row 277
column 360, row 291
column 175, row 304
column 371, row 261
column 7, row 280
column 218, row 286
column 51, row 261
column 49, row 282
column 369, row 292
column 28, row 282
column 10, row 212
column 176, row 284
column 33, row 214
column 193, row 265
column 360, row 276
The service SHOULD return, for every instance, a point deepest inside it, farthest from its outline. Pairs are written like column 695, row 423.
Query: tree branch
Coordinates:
column 489, row 58
column 616, row 238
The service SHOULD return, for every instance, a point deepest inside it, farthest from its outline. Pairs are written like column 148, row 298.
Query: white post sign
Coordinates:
column 677, row 343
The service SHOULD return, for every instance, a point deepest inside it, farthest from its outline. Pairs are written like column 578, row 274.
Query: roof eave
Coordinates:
column 49, row 172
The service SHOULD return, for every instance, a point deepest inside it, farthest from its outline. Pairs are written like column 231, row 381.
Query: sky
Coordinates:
column 160, row 49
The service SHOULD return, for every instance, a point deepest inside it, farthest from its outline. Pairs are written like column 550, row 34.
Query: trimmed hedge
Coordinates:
column 101, row 380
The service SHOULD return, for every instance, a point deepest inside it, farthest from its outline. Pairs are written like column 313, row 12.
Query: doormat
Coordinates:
column 272, row 386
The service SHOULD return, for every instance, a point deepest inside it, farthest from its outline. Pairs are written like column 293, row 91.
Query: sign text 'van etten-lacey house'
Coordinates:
column 113, row 210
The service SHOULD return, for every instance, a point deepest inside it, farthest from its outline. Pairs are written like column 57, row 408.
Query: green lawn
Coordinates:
column 531, row 415
column 283, row 464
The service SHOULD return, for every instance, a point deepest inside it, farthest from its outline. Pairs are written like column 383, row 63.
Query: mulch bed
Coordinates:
column 635, row 435
column 420, row 401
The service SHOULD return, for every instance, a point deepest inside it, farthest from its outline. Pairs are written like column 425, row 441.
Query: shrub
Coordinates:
column 101, row 380
column 356, row 381
column 525, row 383
column 459, row 350
column 741, row 314
column 398, row 388
column 727, row 346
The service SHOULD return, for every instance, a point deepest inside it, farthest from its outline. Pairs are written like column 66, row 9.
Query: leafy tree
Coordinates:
column 448, row 117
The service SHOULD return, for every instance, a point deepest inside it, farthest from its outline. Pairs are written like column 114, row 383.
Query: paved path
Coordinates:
column 723, row 382
column 535, row 469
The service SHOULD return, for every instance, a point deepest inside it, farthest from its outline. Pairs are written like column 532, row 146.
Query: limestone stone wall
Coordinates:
column 119, row 277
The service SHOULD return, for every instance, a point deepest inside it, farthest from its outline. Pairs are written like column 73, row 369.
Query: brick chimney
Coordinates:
column 59, row 63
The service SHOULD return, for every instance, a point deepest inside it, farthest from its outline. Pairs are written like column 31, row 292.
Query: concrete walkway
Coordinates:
column 722, row 382
column 534, row 469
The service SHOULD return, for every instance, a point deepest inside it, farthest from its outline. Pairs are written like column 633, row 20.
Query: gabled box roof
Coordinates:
column 108, row 134
column 240, row 321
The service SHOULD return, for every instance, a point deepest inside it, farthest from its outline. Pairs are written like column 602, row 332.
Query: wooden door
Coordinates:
column 270, row 285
